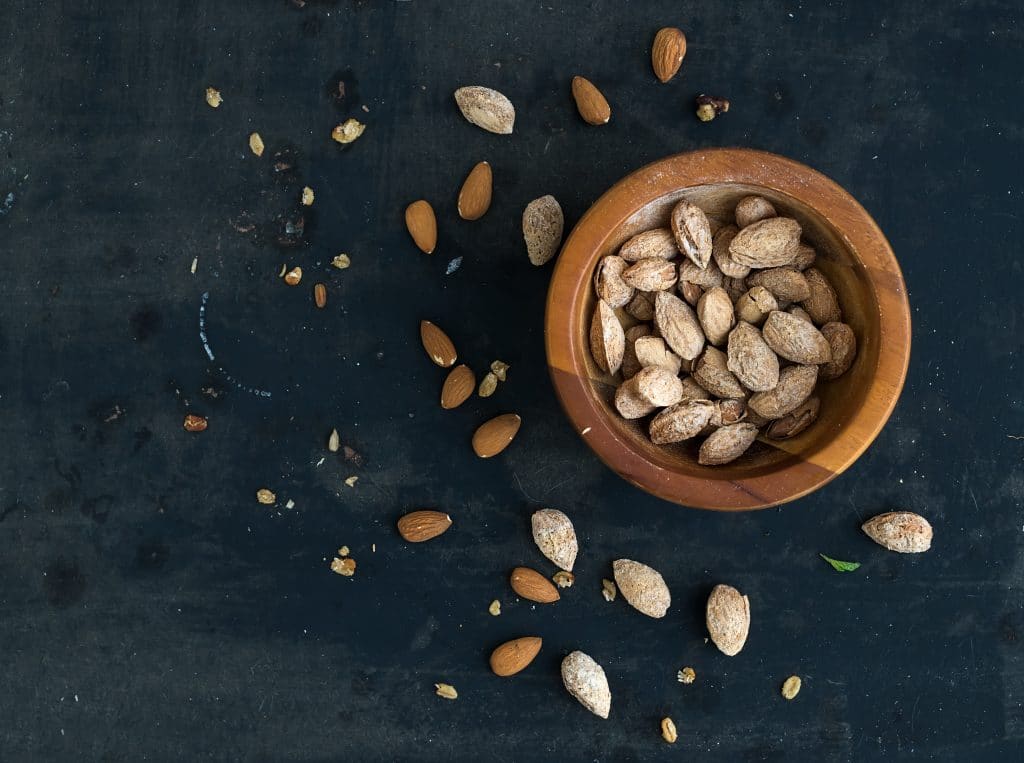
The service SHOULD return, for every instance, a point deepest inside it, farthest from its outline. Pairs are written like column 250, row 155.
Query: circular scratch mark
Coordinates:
column 209, row 352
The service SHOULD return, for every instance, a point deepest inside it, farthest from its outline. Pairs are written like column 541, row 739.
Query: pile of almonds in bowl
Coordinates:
column 730, row 329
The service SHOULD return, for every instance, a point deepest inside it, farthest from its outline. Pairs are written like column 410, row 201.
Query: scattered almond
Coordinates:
column 668, row 730
column 213, row 97
column 513, row 656
column 194, row 423
column 457, row 388
column 320, row 295
column 345, row 567
column 422, row 225
column 437, row 344
column 446, row 690
column 531, row 585
column 900, row 531
column 486, row 108
column 488, row 385
column 608, row 589
column 423, row 525
column 494, row 436
column 555, row 537
column 642, row 586
column 667, row 52
column 348, row 131
column 591, row 104
column 791, row 687
column 543, row 223
column 475, row 195
column 256, row 144
column 563, row 579
column 728, row 619
column 585, row 680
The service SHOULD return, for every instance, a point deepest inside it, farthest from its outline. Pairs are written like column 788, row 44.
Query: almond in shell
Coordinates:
column 681, row 421
column 658, row 386
column 590, row 102
column 641, row 306
column 457, row 387
column 652, row 351
column 629, row 403
column 667, row 52
column 795, row 340
column 608, row 281
column 805, row 257
column 607, row 339
column 486, row 108
column 495, row 435
column 715, row 313
column 585, row 680
column 707, row 277
column 751, row 359
column 542, row 229
column 423, row 525
column 422, row 225
column 658, row 242
column 515, row 655
column 531, row 585
column 721, row 255
column 726, row 444
column 754, row 305
column 767, row 243
column 900, row 531
column 642, row 586
column 728, row 619
column 690, row 292
column 821, row 304
column 796, row 421
column 843, row 342
column 692, row 230
column 630, row 362
column 678, row 325
column 713, row 374
column 786, row 284
column 437, row 344
column 750, row 209
column 798, row 312
column 555, row 537
column 796, row 383
column 475, row 195
column 651, row 274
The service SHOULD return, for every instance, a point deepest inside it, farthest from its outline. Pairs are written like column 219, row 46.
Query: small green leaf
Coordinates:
column 839, row 566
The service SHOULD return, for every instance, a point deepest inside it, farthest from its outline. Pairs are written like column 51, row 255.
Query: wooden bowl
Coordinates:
column 852, row 252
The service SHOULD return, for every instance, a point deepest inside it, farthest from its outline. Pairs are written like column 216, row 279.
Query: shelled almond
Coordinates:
column 719, row 330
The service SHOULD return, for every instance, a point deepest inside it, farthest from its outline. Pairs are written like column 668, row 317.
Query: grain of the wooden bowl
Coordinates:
column 852, row 252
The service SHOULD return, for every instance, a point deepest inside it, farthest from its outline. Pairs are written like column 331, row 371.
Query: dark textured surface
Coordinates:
column 152, row 610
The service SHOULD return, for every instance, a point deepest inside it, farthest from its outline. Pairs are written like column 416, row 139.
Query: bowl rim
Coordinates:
column 861, row 234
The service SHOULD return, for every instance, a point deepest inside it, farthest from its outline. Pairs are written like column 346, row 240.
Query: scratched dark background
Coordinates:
column 151, row 609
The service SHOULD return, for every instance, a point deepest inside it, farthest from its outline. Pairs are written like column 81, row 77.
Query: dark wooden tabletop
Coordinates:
column 152, row 609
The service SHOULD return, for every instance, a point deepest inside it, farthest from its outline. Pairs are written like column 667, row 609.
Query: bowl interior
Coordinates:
column 841, row 398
